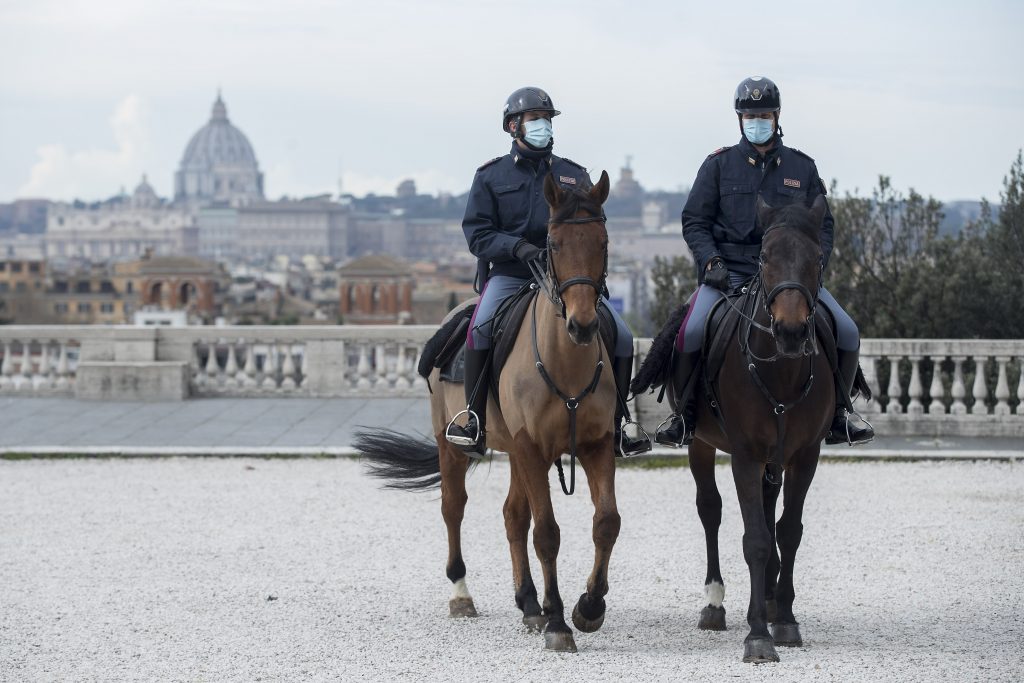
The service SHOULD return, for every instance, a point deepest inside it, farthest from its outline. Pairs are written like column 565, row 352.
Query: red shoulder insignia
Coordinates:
column 719, row 151
column 487, row 163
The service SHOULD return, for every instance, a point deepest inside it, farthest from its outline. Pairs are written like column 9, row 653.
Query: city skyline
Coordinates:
column 101, row 93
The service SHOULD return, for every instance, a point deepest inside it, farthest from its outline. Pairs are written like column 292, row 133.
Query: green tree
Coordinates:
column 674, row 280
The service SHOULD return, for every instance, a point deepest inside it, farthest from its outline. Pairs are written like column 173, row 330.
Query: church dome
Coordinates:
column 219, row 164
column 144, row 196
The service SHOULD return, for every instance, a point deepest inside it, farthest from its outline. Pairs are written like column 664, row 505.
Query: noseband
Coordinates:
column 547, row 278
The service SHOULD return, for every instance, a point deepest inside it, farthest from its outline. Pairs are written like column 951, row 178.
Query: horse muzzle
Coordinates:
column 581, row 334
column 794, row 341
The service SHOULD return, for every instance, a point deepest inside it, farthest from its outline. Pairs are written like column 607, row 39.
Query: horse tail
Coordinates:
column 407, row 462
column 655, row 369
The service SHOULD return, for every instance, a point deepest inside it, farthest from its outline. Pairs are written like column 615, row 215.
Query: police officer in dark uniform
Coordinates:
column 720, row 227
column 506, row 226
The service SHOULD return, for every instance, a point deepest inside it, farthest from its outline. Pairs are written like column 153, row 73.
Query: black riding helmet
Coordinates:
column 522, row 101
column 757, row 95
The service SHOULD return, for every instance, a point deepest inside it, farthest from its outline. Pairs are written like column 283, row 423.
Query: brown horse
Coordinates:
column 775, row 399
column 557, row 344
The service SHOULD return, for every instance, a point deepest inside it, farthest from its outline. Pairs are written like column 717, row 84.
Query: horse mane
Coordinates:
column 576, row 200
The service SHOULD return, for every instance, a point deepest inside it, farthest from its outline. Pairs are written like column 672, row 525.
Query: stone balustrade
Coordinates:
column 921, row 386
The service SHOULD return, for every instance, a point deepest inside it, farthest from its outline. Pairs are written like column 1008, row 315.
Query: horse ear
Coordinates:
column 599, row 192
column 552, row 192
column 764, row 212
column 818, row 210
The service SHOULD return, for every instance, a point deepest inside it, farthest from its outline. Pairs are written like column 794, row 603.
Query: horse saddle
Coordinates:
column 446, row 349
column 724, row 318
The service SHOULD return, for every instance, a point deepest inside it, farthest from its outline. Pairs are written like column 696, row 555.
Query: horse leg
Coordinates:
column 709, row 509
column 546, row 540
column 588, row 615
column 770, row 494
column 454, row 464
column 785, row 630
column 747, row 474
column 517, row 528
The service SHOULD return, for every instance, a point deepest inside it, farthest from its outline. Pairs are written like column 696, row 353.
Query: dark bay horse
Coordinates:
column 532, row 424
column 775, row 400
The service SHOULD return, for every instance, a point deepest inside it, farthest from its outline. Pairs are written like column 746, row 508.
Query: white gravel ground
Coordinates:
column 162, row 570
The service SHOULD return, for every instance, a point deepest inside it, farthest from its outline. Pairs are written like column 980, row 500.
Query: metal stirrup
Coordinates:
column 457, row 439
column 622, row 437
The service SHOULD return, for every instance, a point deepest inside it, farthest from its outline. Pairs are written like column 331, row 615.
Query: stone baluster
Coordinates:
column 304, row 366
column 935, row 390
column 402, row 381
column 979, row 391
column 63, row 371
column 418, row 382
column 24, row 379
column 894, row 390
column 915, row 389
column 269, row 381
column 1020, row 386
column 1002, row 388
column 212, row 367
column 195, row 368
column 380, row 368
column 363, row 368
column 7, row 368
column 391, row 370
column 288, row 382
column 958, row 391
column 248, row 374
column 232, row 377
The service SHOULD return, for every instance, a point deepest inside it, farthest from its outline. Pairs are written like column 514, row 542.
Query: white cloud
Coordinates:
column 59, row 173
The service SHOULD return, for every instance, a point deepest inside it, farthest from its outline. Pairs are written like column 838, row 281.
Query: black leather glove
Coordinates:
column 718, row 275
column 526, row 252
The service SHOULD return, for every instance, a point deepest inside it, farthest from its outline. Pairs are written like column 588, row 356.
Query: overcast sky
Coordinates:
column 95, row 93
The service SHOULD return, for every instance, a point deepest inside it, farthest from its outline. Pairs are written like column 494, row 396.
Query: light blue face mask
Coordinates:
column 537, row 133
column 758, row 131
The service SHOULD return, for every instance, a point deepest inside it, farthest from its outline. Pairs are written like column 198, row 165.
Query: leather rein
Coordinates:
column 547, row 280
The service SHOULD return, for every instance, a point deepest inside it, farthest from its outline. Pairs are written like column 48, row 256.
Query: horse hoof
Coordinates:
column 759, row 651
column 584, row 624
column 559, row 641
column 712, row 619
column 535, row 623
column 588, row 615
column 772, row 607
column 787, row 635
column 461, row 607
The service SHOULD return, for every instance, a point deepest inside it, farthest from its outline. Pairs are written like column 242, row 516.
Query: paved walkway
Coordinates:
column 223, row 569
column 303, row 426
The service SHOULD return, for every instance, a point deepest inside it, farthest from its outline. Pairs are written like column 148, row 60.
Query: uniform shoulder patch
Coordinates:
column 805, row 155
column 719, row 151
column 487, row 163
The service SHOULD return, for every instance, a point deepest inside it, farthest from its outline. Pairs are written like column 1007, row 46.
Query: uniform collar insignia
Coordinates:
column 752, row 161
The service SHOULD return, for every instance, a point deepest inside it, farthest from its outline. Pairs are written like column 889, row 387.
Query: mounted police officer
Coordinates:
column 719, row 225
column 506, row 227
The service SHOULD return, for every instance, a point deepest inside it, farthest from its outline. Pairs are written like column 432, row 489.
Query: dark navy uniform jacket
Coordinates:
column 720, row 216
column 506, row 204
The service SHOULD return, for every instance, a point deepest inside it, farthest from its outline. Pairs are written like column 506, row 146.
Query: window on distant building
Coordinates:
column 106, row 308
column 5, row 286
column 129, row 287
column 84, row 308
column 107, row 287
column 33, row 267
column 60, row 308
column 16, row 267
column 20, row 287
column 82, row 287
column 60, row 286
column 3, row 266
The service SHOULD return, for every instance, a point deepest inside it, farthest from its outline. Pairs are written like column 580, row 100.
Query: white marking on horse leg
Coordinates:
column 715, row 593
column 459, row 590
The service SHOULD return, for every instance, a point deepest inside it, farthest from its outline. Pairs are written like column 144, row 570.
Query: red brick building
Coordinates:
column 376, row 290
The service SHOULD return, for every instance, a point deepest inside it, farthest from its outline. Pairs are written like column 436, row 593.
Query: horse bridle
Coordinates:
column 547, row 279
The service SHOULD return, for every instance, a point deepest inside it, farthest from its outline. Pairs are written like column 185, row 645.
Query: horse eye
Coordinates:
column 555, row 246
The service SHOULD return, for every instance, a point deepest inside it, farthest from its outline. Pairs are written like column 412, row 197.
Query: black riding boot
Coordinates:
column 472, row 437
column 626, row 445
column 842, row 430
column 678, row 429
